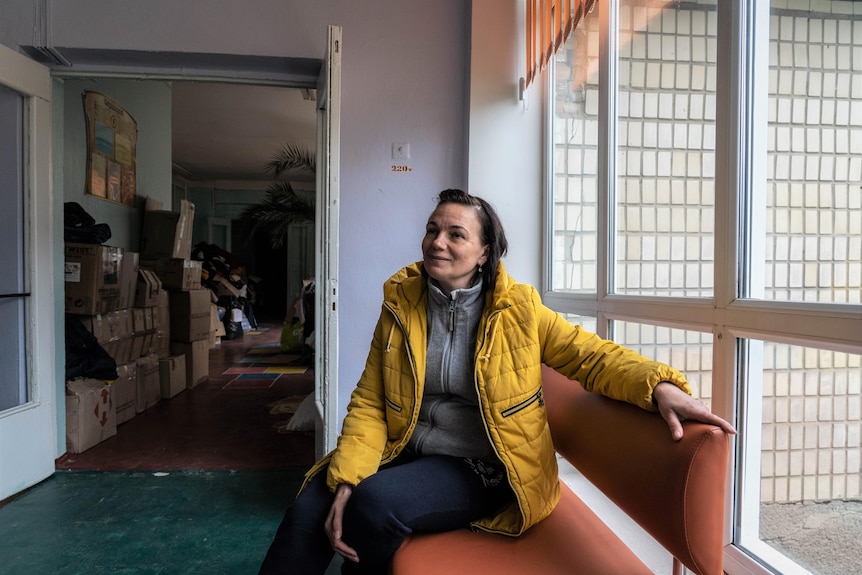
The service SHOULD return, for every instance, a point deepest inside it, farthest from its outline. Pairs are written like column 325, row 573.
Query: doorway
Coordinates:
column 311, row 85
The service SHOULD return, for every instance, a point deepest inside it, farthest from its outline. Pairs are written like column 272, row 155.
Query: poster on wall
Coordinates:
column 112, row 135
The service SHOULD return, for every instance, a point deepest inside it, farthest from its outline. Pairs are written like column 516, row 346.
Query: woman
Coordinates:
column 447, row 427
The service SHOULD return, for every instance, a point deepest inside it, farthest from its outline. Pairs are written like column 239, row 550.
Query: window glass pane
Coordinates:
column 666, row 148
column 805, row 415
column 585, row 321
column 813, row 228
column 13, row 380
column 686, row 350
column 575, row 141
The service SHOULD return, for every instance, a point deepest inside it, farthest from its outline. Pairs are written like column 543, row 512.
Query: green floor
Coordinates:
column 181, row 522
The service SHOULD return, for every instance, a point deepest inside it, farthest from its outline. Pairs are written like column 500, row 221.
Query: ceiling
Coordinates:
column 230, row 113
column 230, row 131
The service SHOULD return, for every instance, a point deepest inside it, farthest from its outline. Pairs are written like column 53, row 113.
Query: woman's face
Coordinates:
column 452, row 246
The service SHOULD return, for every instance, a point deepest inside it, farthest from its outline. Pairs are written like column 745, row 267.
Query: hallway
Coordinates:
column 226, row 422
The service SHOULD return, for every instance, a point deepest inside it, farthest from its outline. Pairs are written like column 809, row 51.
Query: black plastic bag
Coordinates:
column 233, row 306
column 84, row 356
column 80, row 227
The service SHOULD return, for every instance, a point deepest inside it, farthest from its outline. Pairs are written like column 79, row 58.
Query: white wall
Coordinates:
column 505, row 149
column 404, row 78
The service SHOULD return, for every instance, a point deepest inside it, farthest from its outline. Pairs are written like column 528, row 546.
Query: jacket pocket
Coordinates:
column 536, row 398
column 393, row 406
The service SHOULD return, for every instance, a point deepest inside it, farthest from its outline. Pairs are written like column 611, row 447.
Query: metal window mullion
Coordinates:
column 548, row 182
column 607, row 152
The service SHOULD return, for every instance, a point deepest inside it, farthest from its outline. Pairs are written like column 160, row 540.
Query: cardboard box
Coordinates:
column 223, row 287
column 137, row 346
column 149, row 387
column 111, row 326
column 149, row 322
column 147, row 288
column 168, row 234
column 176, row 275
column 90, row 414
column 161, row 344
column 162, row 325
column 172, row 375
column 216, row 324
column 148, row 347
column 116, row 324
column 197, row 360
column 92, row 278
column 120, row 350
column 125, row 391
column 190, row 315
column 138, row 320
column 128, row 279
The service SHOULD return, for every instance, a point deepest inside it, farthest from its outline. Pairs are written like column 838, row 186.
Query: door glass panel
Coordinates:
column 13, row 367
column 813, row 231
column 666, row 148
column 801, row 501
column 575, row 148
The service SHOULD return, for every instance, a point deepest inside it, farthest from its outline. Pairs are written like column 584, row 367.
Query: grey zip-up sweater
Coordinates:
column 449, row 419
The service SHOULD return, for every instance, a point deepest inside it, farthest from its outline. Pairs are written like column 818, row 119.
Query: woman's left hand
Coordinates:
column 676, row 406
column 333, row 523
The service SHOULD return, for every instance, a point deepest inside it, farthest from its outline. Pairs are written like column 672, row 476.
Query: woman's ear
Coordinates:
column 484, row 257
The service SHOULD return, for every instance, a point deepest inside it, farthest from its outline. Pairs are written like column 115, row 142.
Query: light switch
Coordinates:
column 400, row 150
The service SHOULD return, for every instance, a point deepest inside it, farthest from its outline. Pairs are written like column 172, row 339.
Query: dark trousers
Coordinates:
column 426, row 494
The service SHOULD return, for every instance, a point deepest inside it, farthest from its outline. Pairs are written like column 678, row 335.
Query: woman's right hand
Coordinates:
column 334, row 522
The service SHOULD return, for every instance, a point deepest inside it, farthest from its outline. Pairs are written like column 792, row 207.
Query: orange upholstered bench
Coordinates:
column 674, row 490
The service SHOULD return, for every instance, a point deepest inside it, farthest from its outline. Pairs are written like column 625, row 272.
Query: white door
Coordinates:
column 326, row 236
column 28, row 378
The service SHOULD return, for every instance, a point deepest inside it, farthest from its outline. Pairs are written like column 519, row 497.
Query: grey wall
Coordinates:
column 149, row 103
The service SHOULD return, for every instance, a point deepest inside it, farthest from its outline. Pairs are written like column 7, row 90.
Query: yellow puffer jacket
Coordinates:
column 517, row 334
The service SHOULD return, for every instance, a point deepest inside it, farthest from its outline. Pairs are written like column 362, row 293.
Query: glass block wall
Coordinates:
column 664, row 211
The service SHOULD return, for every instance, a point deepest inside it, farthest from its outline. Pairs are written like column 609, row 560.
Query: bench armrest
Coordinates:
column 674, row 490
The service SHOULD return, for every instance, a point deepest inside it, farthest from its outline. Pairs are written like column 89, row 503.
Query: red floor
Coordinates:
column 223, row 423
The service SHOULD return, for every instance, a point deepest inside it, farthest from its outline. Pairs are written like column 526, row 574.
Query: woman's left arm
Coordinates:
column 604, row 367
column 676, row 406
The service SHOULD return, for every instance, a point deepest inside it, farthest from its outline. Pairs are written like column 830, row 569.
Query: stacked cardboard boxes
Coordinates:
column 166, row 250
column 149, row 314
column 100, row 292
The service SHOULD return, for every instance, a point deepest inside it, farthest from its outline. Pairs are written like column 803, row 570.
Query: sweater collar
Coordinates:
column 460, row 297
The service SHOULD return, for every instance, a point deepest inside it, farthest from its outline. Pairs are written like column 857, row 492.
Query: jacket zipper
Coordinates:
column 510, row 411
column 397, row 449
column 395, row 407
column 474, row 526
column 451, row 314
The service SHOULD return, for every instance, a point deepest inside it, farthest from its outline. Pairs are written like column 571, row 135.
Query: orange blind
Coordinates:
column 549, row 24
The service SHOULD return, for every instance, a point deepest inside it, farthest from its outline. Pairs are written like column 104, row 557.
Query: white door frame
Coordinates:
column 28, row 432
column 326, row 240
column 40, row 420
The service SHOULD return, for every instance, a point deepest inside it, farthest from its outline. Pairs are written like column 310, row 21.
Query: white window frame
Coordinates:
column 741, row 96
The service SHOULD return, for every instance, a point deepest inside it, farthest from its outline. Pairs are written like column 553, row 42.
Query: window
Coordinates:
column 706, row 210
column 665, row 158
column 13, row 366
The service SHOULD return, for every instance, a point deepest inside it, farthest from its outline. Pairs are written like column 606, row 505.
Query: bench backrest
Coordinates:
column 674, row 490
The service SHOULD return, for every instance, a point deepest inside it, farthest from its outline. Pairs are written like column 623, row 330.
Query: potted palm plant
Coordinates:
column 282, row 206
column 282, row 209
